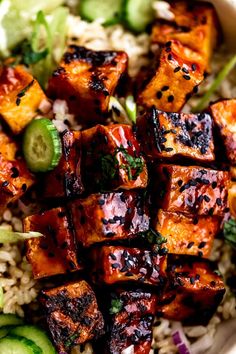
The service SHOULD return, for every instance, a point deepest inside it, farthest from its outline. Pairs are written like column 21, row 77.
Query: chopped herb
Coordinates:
column 154, row 237
column 134, row 165
column 71, row 340
column 110, row 165
column 230, row 232
column 116, row 306
column 215, row 84
column 217, row 272
column 30, row 56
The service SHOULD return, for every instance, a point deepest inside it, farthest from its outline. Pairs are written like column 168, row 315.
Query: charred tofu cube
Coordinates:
column 131, row 322
column 112, row 158
column 56, row 252
column 86, row 80
column 191, row 190
column 194, row 292
column 65, row 180
column 72, row 314
column 112, row 264
column 15, row 178
column 224, row 116
column 176, row 135
column 109, row 216
column 187, row 235
column 179, row 73
column 20, row 97
column 195, row 25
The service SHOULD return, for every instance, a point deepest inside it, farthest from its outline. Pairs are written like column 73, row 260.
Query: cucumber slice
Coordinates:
column 137, row 14
column 18, row 345
column 108, row 10
column 5, row 330
column 35, row 334
column 41, row 145
column 10, row 320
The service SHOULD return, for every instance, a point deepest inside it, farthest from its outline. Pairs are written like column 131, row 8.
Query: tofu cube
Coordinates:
column 187, row 235
column 177, row 77
column 224, row 116
column 15, row 178
column 112, row 159
column 191, row 190
column 131, row 322
column 72, row 314
column 176, row 135
column 87, row 79
column 56, row 252
column 20, row 97
column 109, row 216
column 114, row 264
column 65, row 180
column 194, row 292
column 195, row 25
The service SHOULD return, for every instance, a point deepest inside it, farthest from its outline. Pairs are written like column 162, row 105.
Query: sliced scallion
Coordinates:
column 215, row 84
column 7, row 236
column 131, row 108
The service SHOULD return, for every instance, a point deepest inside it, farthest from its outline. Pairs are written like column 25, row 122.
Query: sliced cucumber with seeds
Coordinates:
column 18, row 345
column 10, row 320
column 108, row 10
column 41, row 145
column 35, row 334
column 137, row 14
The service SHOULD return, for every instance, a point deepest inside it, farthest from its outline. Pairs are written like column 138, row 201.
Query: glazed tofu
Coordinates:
column 109, row 216
column 194, row 292
column 187, row 235
column 112, row 159
column 56, row 252
column 113, row 264
column 15, row 178
column 195, row 25
column 191, row 190
column 86, row 80
column 177, row 77
column 72, row 314
column 224, row 116
column 131, row 322
column 65, row 180
column 176, row 135
column 20, row 97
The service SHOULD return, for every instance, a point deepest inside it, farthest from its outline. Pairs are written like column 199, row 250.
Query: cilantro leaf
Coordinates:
column 116, row 306
column 230, row 232
column 29, row 56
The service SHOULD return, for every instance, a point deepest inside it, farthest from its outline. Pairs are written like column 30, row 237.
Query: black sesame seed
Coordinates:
column 218, row 201
column 115, row 265
column 180, row 182
column 214, row 185
column 206, row 198
column 15, row 172
column 168, row 149
column 202, row 244
column 104, row 221
column 113, row 257
column 186, row 77
column 168, row 44
column 170, row 57
column 205, row 181
column 192, row 280
column 168, row 49
column 194, row 67
column 101, row 202
column 159, row 94
column 200, row 254
column 177, row 69
column 197, row 276
column 195, row 220
column 190, row 245
column 5, row 184
column 211, row 211
column 195, row 89
column 18, row 101
column 171, row 98
column 129, row 143
column 110, row 234
column 165, row 88
column 24, row 187
column 185, row 70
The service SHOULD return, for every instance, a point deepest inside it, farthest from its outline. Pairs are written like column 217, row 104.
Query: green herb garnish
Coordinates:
column 71, row 340
column 116, row 306
column 29, row 56
column 215, row 84
column 230, row 232
column 154, row 237
column 110, row 165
